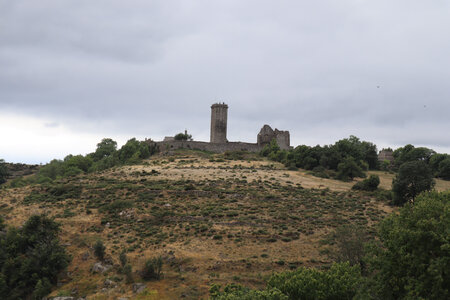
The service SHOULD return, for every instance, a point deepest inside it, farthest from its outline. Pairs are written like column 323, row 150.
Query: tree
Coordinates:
column 444, row 169
column 31, row 259
column 105, row 148
column 413, row 178
column 3, row 171
column 413, row 259
column 183, row 136
column 410, row 153
column 435, row 160
column 349, row 169
column 135, row 150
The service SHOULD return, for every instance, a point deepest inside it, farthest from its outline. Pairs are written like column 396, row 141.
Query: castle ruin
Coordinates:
column 218, row 136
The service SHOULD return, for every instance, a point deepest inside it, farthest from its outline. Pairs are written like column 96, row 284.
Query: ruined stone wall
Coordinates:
column 219, row 115
column 283, row 139
column 205, row 146
column 266, row 135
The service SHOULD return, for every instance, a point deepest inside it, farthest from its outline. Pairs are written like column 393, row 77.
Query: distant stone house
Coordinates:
column 386, row 154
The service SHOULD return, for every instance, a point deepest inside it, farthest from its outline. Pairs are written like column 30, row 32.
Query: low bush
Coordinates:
column 99, row 250
column 368, row 184
column 152, row 269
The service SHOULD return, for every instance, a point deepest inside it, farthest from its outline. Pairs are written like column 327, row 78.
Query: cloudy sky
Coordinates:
column 75, row 71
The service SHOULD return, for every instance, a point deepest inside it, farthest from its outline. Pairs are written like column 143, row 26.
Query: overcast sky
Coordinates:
column 75, row 71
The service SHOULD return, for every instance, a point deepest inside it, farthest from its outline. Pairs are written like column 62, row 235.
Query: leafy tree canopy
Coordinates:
column 413, row 178
column 183, row 137
column 413, row 260
column 31, row 259
column 105, row 148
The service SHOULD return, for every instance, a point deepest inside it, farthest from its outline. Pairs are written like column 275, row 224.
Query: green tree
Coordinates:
column 30, row 259
column 349, row 169
column 78, row 161
column 3, row 171
column 183, row 137
column 272, row 147
column 435, row 160
column 134, row 150
column 410, row 153
column 105, row 148
column 444, row 169
column 413, row 178
column 413, row 260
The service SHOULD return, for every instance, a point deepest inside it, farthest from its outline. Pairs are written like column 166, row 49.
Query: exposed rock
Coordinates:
column 139, row 287
column 109, row 283
column 63, row 298
column 99, row 268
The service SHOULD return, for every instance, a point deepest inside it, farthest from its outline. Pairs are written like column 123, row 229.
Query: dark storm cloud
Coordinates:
column 322, row 69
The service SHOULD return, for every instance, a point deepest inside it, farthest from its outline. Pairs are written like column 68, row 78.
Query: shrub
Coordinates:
column 341, row 281
column 152, row 269
column 99, row 250
column 239, row 292
column 368, row 184
column 183, row 137
column 123, row 258
column 350, row 241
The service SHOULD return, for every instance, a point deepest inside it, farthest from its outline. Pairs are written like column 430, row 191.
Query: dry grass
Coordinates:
column 212, row 221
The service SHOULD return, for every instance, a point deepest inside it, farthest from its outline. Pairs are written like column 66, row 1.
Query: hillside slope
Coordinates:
column 212, row 220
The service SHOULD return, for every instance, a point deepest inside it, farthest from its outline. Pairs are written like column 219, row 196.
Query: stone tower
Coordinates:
column 219, row 112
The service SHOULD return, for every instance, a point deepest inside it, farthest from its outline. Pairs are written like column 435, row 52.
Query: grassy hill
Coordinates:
column 211, row 219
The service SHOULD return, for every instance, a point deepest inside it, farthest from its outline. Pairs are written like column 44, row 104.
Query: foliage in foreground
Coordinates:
column 410, row 261
column 341, row 281
column 413, row 261
column 30, row 259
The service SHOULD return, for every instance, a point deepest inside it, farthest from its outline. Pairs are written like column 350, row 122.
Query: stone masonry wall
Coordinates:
column 205, row 146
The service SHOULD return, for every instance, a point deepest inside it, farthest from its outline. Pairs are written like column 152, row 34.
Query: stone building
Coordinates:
column 386, row 154
column 267, row 134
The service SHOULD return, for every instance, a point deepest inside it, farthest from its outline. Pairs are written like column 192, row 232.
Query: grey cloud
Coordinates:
column 322, row 69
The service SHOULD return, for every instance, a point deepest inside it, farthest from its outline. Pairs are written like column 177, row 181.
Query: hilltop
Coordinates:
column 211, row 218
